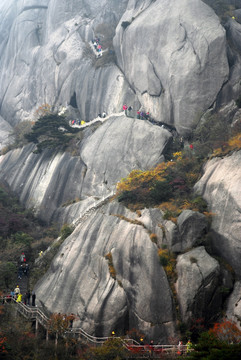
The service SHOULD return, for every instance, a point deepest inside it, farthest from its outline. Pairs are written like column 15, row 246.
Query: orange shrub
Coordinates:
column 226, row 331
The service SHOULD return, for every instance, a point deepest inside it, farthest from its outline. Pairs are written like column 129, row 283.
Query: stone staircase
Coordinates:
column 90, row 210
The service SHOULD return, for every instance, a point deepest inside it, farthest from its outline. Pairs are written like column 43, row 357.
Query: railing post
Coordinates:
column 36, row 327
column 56, row 339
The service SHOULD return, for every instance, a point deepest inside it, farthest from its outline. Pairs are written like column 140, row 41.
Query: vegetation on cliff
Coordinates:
column 51, row 131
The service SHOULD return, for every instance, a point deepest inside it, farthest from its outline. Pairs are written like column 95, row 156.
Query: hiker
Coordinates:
column 125, row 108
column 180, row 348
column 22, row 257
column 82, row 122
column 19, row 298
column 147, row 116
column 16, row 291
column 103, row 115
column 141, row 341
column 151, row 347
column 142, row 115
column 71, row 320
column 189, row 346
column 33, row 298
column 130, row 108
column 20, row 272
column 138, row 114
column 26, row 270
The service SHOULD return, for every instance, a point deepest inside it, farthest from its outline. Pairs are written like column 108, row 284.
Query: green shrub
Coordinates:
column 51, row 131
column 163, row 260
column 112, row 349
column 66, row 231
column 200, row 203
column 7, row 275
column 161, row 191
column 22, row 238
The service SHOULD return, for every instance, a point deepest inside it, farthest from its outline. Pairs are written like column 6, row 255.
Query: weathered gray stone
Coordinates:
column 172, row 236
column 48, row 181
column 198, row 279
column 234, row 305
column 119, row 146
column 42, row 61
column 79, row 280
column 192, row 226
column 220, row 187
column 181, row 74
column 5, row 132
column 237, row 14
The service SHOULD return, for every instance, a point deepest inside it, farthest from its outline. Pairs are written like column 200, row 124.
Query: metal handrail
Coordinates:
column 33, row 313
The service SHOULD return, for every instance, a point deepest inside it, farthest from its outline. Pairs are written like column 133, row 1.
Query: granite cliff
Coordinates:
column 176, row 59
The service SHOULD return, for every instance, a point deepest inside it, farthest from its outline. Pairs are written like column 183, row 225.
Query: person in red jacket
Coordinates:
column 125, row 108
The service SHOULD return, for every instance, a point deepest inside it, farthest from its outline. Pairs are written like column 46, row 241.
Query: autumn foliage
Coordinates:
column 168, row 185
column 58, row 323
column 226, row 331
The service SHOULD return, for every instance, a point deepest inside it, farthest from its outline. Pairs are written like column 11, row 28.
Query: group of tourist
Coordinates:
column 23, row 270
column 140, row 113
column 152, row 348
column 181, row 348
column 78, row 122
column 26, row 299
column 97, row 46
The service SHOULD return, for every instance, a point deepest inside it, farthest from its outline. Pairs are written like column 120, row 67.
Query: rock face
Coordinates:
column 172, row 60
column 187, row 233
column 79, row 280
column 192, row 226
column 234, row 305
column 42, row 58
column 6, row 129
column 198, row 279
column 176, row 76
column 220, row 187
column 182, row 70
column 49, row 182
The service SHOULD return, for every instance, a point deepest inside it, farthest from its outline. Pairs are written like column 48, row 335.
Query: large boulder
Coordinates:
column 192, row 225
column 179, row 73
column 220, row 187
column 187, row 233
column 197, row 283
column 108, row 273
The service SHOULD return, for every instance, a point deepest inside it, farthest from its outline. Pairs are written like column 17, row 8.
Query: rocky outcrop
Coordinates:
column 187, row 233
column 234, row 305
column 108, row 273
column 180, row 72
column 220, row 187
column 49, row 183
column 197, row 283
column 42, row 58
column 192, row 226
column 6, row 130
